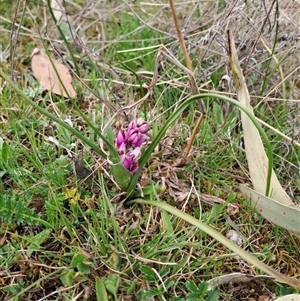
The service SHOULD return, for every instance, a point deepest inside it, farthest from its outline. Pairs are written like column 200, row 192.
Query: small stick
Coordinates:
column 192, row 139
column 192, row 80
column 180, row 37
column 186, row 56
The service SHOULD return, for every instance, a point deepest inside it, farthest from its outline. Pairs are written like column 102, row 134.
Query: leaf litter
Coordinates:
column 52, row 75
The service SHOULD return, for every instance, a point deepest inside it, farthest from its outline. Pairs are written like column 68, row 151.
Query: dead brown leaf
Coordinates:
column 52, row 75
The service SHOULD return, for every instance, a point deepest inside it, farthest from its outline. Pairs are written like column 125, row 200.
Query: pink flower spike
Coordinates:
column 129, row 143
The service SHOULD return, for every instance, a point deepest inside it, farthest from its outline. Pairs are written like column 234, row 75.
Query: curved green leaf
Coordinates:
column 222, row 239
column 177, row 114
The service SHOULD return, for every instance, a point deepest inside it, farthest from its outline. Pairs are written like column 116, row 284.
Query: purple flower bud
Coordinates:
column 136, row 152
column 122, row 150
column 133, row 137
column 137, row 140
column 144, row 128
column 132, row 125
column 136, row 137
column 142, row 125
column 121, row 138
column 130, row 163
column 132, row 131
column 127, row 162
column 140, row 121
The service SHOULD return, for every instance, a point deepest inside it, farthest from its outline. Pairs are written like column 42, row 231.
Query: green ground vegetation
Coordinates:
column 67, row 237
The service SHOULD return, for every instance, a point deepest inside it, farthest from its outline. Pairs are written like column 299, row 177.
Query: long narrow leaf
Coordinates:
column 121, row 175
column 256, row 157
column 222, row 239
column 287, row 217
column 292, row 297
column 177, row 114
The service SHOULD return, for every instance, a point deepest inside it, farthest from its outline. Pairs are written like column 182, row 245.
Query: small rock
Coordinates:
column 234, row 236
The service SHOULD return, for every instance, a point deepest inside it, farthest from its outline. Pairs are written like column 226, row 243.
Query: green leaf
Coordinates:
column 169, row 283
column 77, row 258
column 83, row 268
column 121, row 175
column 149, row 274
column 78, row 262
column 101, row 293
column 213, row 295
column 194, row 297
column 192, row 287
column 67, row 277
column 167, row 224
column 202, row 288
column 153, row 292
column 110, row 135
column 282, row 290
column 112, row 285
column 131, row 288
column 114, row 278
column 4, row 148
column 37, row 240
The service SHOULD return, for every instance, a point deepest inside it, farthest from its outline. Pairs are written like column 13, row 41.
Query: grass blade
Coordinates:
column 222, row 239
